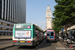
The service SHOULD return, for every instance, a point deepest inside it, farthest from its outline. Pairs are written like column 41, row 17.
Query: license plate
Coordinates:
column 48, row 38
column 22, row 41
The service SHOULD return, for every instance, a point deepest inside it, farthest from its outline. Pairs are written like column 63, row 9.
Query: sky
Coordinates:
column 35, row 11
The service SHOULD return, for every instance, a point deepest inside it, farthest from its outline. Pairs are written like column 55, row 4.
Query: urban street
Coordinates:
column 37, row 24
column 7, row 45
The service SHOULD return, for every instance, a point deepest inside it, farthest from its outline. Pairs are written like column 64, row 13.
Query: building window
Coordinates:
column 4, row 33
column 0, row 28
column 7, row 33
column 0, row 23
column 4, row 23
column 4, row 10
column 4, row 28
column 8, row 24
column 9, row 29
column 0, row 34
column 0, row 8
column 10, row 34
column 12, row 25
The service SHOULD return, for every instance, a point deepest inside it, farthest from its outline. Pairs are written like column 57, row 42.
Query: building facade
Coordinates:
column 48, row 18
column 11, row 12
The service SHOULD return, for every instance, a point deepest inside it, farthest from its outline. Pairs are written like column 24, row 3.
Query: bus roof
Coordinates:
column 50, row 31
column 38, row 27
column 30, row 24
column 23, row 23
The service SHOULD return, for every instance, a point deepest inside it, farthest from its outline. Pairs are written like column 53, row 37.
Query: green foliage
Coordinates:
column 64, row 13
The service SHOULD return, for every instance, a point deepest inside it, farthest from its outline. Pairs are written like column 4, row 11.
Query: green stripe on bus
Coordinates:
column 32, row 31
column 14, row 31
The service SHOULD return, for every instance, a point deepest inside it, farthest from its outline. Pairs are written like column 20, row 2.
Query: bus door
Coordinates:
column 51, row 35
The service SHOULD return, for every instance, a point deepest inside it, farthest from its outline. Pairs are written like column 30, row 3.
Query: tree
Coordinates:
column 64, row 14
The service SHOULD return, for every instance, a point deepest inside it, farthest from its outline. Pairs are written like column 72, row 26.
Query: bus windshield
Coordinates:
column 50, row 33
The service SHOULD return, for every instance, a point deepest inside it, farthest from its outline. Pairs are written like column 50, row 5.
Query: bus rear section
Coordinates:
column 23, row 35
column 50, row 36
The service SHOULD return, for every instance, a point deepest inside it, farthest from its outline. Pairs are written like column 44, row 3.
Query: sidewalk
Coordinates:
column 65, row 45
column 5, row 39
column 61, row 47
column 5, row 44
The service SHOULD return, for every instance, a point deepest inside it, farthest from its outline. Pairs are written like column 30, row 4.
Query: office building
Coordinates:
column 11, row 12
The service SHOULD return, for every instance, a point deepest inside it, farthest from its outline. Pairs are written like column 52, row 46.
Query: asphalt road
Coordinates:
column 43, row 46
